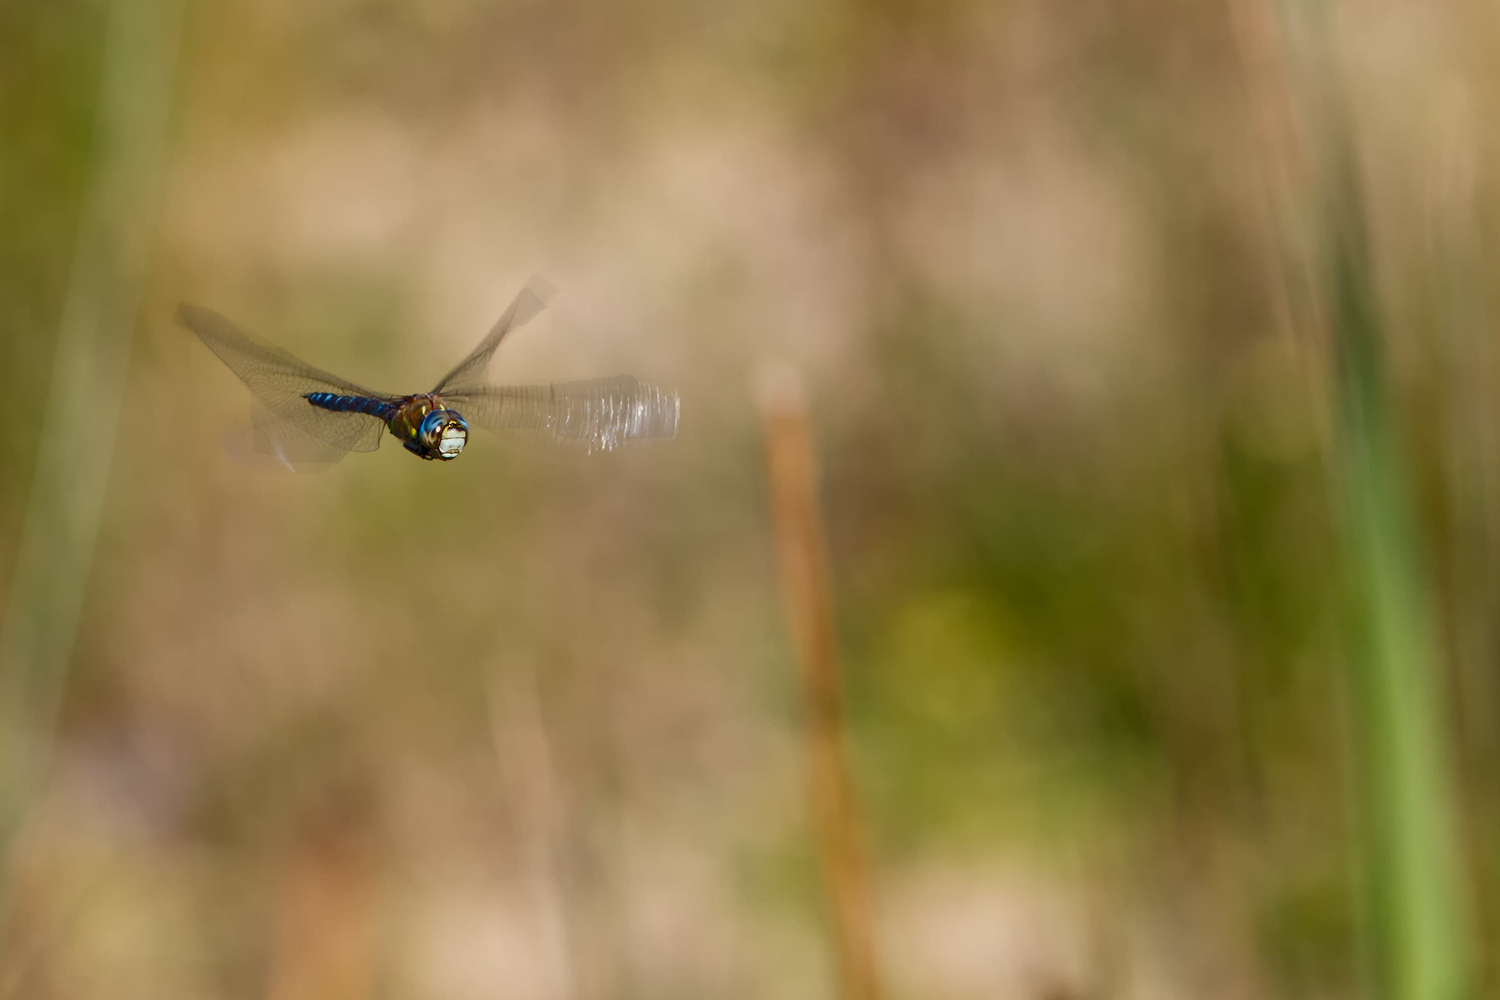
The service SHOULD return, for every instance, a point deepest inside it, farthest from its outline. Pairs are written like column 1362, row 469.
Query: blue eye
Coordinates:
column 443, row 433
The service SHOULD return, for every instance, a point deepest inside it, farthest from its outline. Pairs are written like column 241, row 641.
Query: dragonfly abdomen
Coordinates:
column 351, row 404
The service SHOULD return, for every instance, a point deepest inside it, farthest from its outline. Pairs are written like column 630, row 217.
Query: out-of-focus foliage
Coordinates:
column 524, row 724
column 49, row 73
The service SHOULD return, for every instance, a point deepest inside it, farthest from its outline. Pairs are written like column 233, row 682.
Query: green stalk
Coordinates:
column 1415, row 915
column 39, row 629
column 1401, row 729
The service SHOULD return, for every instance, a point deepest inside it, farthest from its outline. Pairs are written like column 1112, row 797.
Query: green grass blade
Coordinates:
column 77, row 428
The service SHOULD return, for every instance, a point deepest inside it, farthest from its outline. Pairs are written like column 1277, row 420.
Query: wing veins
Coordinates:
column 286, row 424
column 469, row 373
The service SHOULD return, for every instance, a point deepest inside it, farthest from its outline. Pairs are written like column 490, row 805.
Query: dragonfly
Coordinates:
column 307, row 418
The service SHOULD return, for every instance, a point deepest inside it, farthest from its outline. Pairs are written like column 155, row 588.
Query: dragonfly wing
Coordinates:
column 600, row 414
column 469, row 373
column 290, row 444
column 286, row 424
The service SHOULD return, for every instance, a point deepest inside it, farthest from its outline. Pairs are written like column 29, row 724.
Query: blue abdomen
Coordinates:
column 351, row 404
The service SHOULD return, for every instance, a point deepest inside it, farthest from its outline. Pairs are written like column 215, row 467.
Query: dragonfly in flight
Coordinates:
column 306, row 417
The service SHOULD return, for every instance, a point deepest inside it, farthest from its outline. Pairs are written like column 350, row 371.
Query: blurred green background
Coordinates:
column 526, row 725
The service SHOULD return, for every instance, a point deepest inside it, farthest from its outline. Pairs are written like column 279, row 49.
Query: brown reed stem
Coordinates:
column 808, row 592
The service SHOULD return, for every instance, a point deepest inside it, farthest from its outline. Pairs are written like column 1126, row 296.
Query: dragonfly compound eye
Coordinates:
column 443, row 433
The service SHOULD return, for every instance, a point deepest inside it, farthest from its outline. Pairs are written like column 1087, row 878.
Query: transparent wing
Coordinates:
column 601, row 414
column 287, row 426
column 469, row 373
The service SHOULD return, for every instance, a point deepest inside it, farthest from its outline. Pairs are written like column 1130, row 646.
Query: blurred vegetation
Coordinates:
column 50, row 69
column 525, row 725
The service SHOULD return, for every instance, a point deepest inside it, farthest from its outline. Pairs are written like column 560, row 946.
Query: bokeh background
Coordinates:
column 526, row 725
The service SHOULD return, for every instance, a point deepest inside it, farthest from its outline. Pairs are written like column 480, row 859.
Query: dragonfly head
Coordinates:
column 443, row 434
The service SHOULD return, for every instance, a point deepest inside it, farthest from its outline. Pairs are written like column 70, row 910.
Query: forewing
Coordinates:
column 601, row 414
column 469, row 373
column 286, row 424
